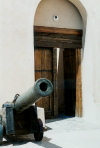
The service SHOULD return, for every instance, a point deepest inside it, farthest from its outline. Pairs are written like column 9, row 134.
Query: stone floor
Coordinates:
column 63, row 133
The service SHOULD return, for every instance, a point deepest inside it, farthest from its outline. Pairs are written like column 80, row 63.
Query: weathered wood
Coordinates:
column 78, row 84
column 57, row 42
column 73, row 84
column 55, row 82
column 57, row 37
column 58, row 30
column 44, row 69
column 48, row 38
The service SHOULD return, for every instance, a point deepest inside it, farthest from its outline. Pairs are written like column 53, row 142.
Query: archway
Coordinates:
column 47, row 21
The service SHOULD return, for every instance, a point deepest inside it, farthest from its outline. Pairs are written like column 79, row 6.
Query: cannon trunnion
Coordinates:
column 20, row 116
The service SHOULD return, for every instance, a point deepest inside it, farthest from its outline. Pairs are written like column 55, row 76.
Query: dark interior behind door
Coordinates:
column 70, row 81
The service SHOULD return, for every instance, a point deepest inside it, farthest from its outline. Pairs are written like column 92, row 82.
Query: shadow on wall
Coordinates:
column 83, row 12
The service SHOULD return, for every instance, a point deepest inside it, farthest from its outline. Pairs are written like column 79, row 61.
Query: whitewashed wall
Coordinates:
column 16, row 47
column 16, row 51
column 90, row 59
column 91, row 66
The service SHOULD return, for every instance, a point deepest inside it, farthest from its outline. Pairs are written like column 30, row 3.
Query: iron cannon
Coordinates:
column 19, row 117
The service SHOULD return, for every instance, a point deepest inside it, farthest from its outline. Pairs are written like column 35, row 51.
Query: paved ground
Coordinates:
column 63, row 133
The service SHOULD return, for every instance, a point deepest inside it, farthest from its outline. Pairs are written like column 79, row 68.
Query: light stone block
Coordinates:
column 41, row 114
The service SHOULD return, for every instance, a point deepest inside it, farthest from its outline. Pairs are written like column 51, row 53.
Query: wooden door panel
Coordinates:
column 78, row 84
column 73, row 84
column 44, row 69
column 38, row 53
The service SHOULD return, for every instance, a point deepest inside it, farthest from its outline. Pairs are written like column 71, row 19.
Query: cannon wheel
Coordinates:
column 38, row 135
column 1, row 133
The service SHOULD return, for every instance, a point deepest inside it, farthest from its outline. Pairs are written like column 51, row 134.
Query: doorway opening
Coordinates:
column 70, row 82
column 58, row 58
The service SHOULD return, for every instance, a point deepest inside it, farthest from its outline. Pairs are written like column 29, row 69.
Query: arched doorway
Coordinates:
column 58, row 43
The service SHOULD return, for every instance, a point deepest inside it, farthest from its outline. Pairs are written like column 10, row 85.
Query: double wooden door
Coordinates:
column 46, row 40
column 44, row 69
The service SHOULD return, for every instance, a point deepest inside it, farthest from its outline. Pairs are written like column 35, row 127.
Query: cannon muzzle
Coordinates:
column 42, row 87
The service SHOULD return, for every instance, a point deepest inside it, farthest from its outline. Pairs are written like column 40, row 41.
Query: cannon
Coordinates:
column 19, row 117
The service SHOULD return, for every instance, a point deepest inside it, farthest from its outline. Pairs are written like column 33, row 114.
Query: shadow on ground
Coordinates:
column 59, row 118
column 47, row 144
column 21, row 141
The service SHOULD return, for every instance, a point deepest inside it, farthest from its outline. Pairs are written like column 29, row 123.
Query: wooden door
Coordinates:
column 44, row 69
column 72, row 82
column 45, row 41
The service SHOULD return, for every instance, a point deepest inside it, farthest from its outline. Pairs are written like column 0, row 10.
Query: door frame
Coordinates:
column 61, row 38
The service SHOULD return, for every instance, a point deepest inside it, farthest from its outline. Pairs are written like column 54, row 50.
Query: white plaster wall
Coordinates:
column 91, row 66
column 90, row 61
column 16, row 47
column 68, row 15
column 16, row 51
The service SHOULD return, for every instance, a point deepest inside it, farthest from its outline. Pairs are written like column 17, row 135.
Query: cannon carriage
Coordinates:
column 19, row 117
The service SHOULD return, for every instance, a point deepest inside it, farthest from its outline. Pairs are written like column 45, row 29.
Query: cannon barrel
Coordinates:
column 42, row 87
